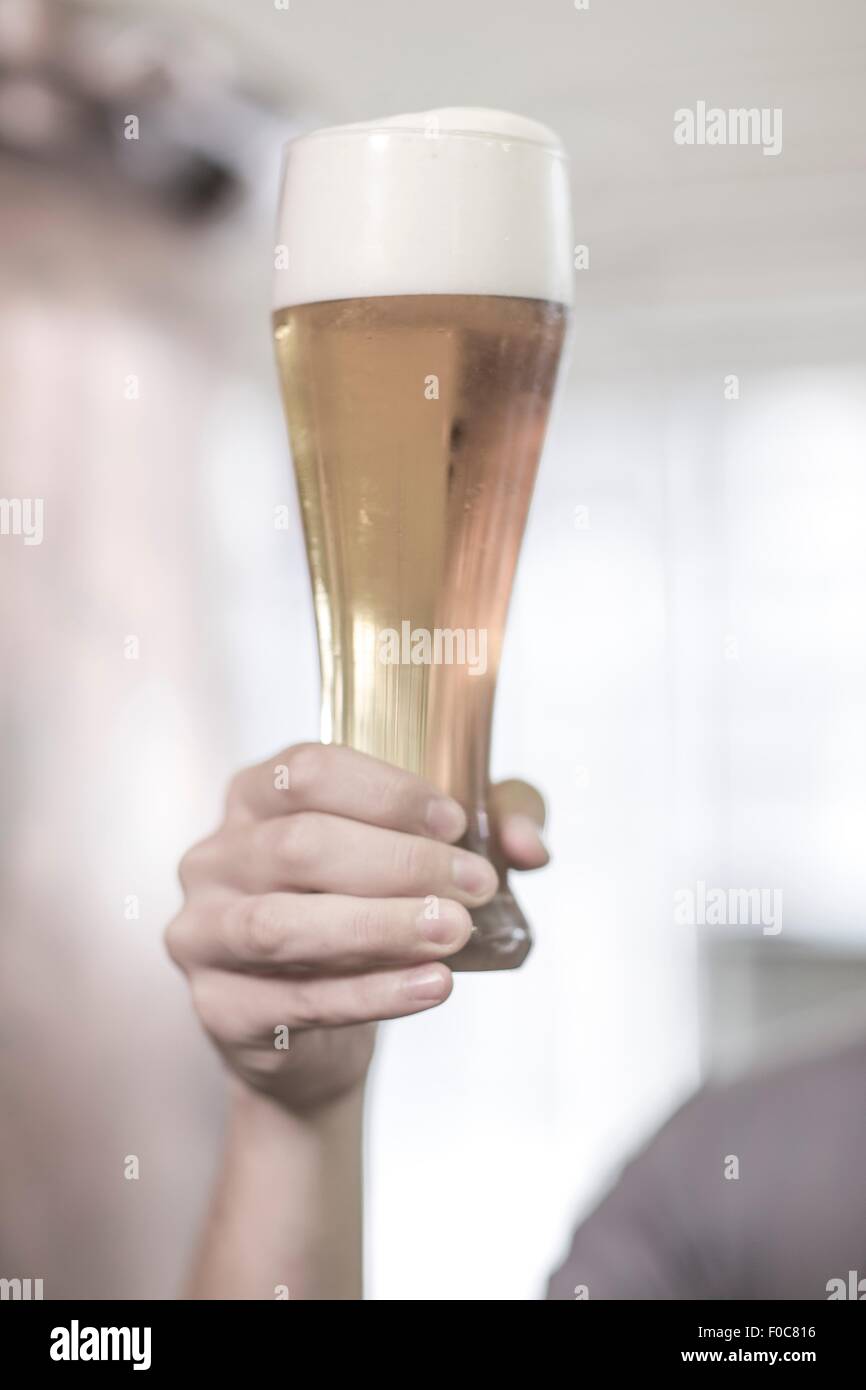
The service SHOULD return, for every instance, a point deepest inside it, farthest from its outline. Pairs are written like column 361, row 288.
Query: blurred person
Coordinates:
column 304, row 925
column 113, row 352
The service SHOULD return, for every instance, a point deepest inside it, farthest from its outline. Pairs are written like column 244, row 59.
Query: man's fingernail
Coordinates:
column 426, row 986
column 446, row 818
column 524, row 831
column 474, row 875
column 447, row 928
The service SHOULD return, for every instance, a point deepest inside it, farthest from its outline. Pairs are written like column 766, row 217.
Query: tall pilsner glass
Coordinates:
column 422, row 290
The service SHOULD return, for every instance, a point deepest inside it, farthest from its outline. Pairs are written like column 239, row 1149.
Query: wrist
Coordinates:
column 256, row 1113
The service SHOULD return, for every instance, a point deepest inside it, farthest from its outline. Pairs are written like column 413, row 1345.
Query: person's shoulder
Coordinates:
column 706, row 1205
column 822, row 1086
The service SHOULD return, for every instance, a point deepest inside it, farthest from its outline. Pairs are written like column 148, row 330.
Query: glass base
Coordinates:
column 501, row 939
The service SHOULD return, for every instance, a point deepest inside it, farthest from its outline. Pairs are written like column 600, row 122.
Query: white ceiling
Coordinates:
column 665, row 224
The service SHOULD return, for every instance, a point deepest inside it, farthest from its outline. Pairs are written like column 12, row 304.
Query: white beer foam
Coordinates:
column 454, row 201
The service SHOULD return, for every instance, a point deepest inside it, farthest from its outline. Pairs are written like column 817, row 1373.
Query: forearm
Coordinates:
column 287, row 1208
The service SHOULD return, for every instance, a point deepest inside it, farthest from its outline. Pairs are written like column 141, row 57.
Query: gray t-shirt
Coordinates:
column 680, row 1225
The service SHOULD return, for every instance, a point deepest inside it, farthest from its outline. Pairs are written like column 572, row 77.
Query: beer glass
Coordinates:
column 422, row 291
